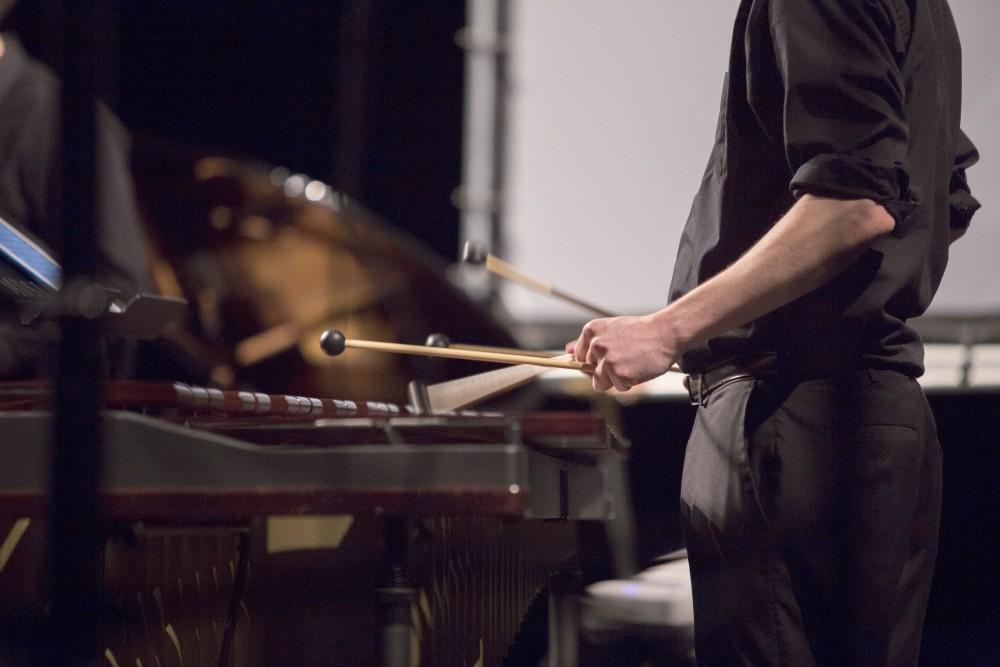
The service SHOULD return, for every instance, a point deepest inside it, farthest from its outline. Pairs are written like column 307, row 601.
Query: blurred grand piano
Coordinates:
column 269, row 259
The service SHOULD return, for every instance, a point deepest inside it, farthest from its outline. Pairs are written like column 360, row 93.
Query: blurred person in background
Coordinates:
column 30, row 164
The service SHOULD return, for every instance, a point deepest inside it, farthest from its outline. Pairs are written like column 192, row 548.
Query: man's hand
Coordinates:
column 625, row 351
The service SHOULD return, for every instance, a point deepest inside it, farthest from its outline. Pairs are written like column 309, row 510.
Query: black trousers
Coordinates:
column 811, row 514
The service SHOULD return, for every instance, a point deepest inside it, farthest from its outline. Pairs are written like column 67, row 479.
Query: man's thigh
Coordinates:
column 814, row 527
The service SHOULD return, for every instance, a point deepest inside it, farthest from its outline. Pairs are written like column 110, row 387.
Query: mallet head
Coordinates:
column 332, row 342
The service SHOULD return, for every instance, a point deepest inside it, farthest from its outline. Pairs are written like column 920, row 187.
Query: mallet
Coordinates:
column 333, row 342
column 476, row 254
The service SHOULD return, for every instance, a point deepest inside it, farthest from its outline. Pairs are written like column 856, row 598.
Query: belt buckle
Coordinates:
column 695, row 383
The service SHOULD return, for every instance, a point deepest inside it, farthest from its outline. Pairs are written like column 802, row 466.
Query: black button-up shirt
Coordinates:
column 852, row 99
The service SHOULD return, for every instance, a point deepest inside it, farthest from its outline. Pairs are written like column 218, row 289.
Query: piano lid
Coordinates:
column 269, row 259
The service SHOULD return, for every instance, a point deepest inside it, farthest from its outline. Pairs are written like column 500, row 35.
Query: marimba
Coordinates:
column 452, row 491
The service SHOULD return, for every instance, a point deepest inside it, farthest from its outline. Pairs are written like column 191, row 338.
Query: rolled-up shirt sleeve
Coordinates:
column 961, row 204
column 845, row 130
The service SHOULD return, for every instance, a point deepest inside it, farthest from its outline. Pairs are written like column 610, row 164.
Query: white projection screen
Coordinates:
column 610, row 118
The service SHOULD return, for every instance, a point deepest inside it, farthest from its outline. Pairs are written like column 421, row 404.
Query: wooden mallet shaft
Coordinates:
column 505, row 350
column 475, row 255
column 441, row 340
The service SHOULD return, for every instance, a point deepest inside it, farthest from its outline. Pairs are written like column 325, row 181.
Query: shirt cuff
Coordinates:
column 962, row 205
column 850, row 177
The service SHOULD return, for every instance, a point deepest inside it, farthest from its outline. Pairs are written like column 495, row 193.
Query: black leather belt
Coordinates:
column 701, row 385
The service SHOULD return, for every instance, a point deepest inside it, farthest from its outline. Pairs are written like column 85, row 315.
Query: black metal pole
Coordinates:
column 395, row 597
column 75, row 516
column 239, row 587
column 502, row 86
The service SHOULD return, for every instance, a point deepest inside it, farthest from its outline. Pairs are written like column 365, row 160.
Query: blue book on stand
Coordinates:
column 31, row 261
column 30, row 278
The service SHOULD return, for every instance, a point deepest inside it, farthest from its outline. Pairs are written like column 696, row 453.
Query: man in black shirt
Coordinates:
column 811, row 485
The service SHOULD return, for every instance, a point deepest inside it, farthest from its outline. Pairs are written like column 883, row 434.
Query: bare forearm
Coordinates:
column 815, row 241
column 811, row 244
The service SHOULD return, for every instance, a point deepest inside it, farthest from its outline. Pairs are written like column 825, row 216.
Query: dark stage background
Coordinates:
column 366, row 95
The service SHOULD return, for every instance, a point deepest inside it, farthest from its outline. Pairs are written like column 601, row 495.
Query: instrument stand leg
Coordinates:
column 239, row 583
column 564, row 623
column 396, row 597
column 620, row 530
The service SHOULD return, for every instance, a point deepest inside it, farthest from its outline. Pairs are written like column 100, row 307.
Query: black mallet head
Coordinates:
column 473, row 253
column 332, row 342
